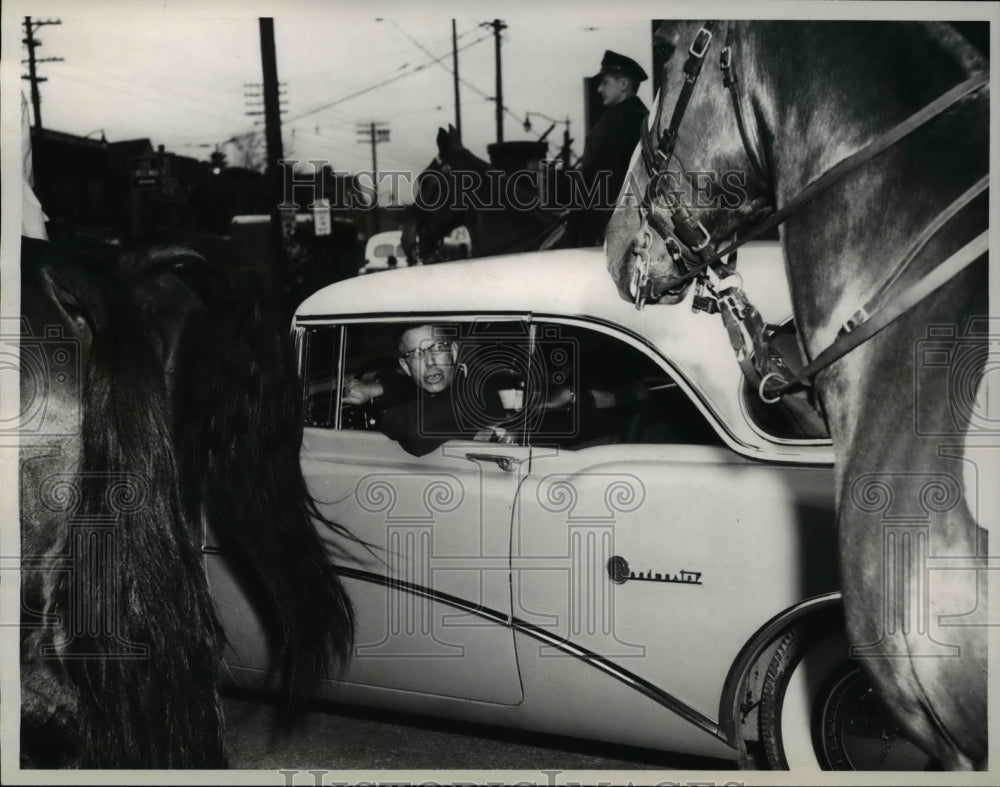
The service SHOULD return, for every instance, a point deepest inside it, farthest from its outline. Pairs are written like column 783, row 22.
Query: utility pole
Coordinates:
column 253, row 95
column 567, row 141
column 32, row 75
column 454, row 63
column 498, row 27
column 373, row 133
column 275, row 151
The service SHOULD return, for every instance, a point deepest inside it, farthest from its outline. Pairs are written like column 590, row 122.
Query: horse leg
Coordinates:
column 915, row 598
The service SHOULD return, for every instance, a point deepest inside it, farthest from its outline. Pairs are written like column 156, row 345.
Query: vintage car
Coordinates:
column 383, row 251
column 652, row 563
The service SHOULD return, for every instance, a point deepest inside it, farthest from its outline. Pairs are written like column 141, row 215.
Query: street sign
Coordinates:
column 321, row 217
column 145, row 172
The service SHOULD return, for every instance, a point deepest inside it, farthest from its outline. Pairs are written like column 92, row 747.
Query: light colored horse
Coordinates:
column 806, row 96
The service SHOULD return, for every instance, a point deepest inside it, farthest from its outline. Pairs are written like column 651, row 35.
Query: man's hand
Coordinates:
column 495, row 434
column 358, row 392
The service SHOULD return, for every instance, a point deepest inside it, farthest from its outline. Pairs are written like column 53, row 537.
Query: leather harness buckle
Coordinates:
column 860, row 316
column 703, row 35
column 726, row 58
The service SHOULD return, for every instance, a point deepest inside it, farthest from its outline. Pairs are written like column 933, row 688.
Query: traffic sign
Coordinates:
column 321, row 217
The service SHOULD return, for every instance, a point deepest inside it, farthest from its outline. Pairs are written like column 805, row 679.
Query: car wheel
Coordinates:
column 819, row 711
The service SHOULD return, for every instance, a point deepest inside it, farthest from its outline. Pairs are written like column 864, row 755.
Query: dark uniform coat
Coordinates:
column 608, row 148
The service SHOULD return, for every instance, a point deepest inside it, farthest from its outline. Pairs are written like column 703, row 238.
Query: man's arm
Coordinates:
column 387, row 386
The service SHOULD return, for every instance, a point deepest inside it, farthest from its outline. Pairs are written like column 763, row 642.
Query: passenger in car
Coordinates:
column 428, row 403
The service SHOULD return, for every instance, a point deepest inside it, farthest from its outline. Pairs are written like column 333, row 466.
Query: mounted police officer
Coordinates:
column 609, row 147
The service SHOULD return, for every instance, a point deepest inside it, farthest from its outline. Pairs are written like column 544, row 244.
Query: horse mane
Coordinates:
column 238, row 428
column 144, row 699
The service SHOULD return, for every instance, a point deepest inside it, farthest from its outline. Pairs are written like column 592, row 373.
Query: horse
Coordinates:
column 157, row 394
column 502, row 213
column 770, row 134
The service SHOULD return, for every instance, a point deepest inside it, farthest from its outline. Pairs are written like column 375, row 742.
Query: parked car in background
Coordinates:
column 457, row 244
column 384, row 250
column 641, row 553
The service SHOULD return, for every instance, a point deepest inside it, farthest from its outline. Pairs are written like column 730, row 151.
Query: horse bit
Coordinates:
column 690, row 246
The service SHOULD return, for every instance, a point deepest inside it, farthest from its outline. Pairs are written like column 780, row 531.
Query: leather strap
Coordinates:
column 732, row 84
column 692, row 70
column 834, row 174
column 865, row 330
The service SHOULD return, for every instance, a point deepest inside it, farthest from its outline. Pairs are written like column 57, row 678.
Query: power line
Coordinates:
column 384, row 82
column 464, row 81
column 155, row 94
column 148, row 97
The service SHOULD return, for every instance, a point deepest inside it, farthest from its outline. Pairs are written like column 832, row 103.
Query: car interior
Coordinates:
column 565, row 386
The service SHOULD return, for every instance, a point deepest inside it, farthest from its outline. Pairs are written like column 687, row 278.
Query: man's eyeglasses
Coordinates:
column 436, row 349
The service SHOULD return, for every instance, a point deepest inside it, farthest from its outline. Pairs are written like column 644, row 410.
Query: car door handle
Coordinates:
column 506, row 463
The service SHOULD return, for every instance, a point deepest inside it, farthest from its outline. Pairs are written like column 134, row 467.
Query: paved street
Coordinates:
column 341, row 738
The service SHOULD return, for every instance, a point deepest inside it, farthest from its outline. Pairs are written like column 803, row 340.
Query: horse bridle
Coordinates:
column 691, row 246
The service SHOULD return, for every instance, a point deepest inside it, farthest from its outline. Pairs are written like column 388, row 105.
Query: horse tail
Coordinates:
column 239, row 431
column 142, row 642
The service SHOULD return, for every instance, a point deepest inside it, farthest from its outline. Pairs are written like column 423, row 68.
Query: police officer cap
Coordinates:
column 619, row 65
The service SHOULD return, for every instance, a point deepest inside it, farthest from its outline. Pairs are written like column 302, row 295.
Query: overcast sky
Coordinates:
column 176, row 72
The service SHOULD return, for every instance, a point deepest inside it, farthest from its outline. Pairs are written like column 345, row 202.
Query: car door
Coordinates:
column 430, row 573
column 641, row 539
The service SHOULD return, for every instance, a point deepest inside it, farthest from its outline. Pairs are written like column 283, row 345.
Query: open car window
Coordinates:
column 487, row 391
column 599, row 390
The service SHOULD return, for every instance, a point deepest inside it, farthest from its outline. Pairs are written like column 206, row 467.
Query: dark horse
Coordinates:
column 457, row 188
column 158, row 394
column 788, row 103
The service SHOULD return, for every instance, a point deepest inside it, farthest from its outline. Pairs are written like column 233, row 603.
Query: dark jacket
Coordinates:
column 421, row 422
column 608, row 149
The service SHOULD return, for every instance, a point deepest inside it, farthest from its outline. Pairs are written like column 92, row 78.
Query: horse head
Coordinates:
column 720, row 184
column 171, row 287
column 159, row 393
column 104, row 532
column 438, row 206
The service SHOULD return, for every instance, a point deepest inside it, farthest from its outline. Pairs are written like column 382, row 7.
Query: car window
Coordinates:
column 794, row 417
column 487, row 390
column 383, row 250
column 597, row 389
column 320, row 356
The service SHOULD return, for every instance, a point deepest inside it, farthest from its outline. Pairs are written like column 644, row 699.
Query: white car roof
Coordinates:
column 569, row 281
column 574, row 285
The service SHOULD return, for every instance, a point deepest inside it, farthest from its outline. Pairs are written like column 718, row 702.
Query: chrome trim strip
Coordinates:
column 595, row 660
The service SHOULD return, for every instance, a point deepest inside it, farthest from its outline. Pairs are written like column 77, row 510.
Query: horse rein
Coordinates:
column 664, row 214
